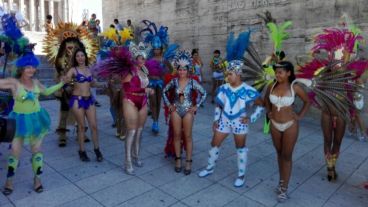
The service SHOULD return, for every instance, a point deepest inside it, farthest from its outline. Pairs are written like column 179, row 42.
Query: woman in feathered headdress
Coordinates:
column 179, row 96
column 231, row 115
column 59, row 46
column 339, row 46
column 129, row 64
column 157, row 64
column 32, row 121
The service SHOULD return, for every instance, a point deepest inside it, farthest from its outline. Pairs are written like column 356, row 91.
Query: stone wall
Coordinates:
column 205, row 24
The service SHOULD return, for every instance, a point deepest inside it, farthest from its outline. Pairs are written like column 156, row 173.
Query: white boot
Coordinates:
column 128, row 152
column 242, row 163
column 136, row 148
column 213, row 156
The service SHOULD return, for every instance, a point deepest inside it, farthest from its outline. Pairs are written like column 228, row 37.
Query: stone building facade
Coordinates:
column 205, row 24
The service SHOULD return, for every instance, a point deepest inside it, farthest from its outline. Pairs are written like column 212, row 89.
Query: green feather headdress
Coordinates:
column 278, row 34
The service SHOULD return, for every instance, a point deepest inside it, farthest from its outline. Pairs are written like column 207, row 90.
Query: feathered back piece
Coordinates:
column 119, row 62
column 330, row 87
column 334, row 39
column 157, row 38
column 257, row 72
column 278, row 34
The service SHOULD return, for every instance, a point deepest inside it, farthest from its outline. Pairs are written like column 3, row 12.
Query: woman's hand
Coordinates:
column 193, row 109
column 172, row 108
column 214, row 126
column 150, row 91
column 244, row 120
column 296, row 117
column 65, row 79
column 269, row 115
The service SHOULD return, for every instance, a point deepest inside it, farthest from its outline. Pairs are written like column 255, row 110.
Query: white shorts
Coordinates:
column 234, row 126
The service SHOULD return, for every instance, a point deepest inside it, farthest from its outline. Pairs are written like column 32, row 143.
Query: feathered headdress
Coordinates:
column 157, row 38
column 27, row 59
column 119, row 61
column 138, row 50
column 119, row 37
column 335, row 40
column 69, row 30
column 15, row 41
column 235, row 49
column 183, row 59
column 278, row 34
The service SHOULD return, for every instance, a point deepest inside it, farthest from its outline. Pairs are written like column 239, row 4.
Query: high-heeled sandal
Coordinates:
column 7, row 191
column 83, row 156
column 98, row 153
column 38, row 189
column 178, row 169
column 188, row 171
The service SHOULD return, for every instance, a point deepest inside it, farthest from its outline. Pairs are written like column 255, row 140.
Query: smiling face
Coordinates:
column 182, row 72
column 81, row 58
column 29, row 71
column 140, row 61
column 157, row 52
column 282, row 75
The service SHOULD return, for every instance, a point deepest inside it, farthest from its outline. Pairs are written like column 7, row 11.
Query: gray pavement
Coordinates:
column 69, row 182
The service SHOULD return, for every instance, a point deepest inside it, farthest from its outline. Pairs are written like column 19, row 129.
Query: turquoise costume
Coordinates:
column 32, row 121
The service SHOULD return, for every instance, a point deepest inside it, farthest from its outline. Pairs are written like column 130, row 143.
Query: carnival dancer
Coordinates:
column 217, row 66
column 338, row 47
column 182, row 108
column 157, row 66
column 231, row 116
column 82, row 102
column 60, row 45
column 279, row 100
column 113, row 39
column 32, row 121
column 135, row 88
column 329, row 84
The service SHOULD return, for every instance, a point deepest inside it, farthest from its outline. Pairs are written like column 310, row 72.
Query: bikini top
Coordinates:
column 282, row 101
column 81, row 78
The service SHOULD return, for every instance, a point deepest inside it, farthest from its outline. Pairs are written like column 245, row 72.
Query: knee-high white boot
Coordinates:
column 242, row 164
column 213, row 156
column 136, row 148
column 128, row 152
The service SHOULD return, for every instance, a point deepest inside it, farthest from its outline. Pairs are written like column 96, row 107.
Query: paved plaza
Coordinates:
column 70, row 182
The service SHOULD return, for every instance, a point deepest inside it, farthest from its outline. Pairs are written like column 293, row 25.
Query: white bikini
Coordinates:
column 279, row 102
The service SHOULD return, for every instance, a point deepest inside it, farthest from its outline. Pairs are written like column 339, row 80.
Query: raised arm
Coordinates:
column 9, row 83
column 50, row 90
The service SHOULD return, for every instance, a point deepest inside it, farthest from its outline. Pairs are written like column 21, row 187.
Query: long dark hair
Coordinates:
column 75, row 62
column 288, row 67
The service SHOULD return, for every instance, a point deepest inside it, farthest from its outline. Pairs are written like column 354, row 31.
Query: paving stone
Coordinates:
column 214, row 195
column 121, row 192
column 153, row 197
column 83, row 201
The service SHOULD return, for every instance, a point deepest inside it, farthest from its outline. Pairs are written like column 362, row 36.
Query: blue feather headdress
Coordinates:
column 12, row 36
column 157, row 38
column 27, row 59
column 235, row 49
